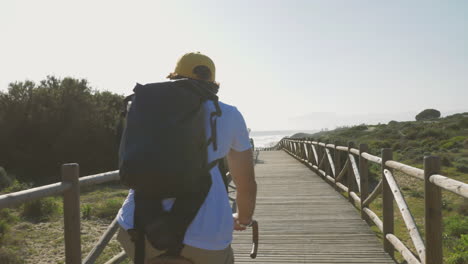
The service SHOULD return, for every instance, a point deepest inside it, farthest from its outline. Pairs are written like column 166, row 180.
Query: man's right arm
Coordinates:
column 241, row 168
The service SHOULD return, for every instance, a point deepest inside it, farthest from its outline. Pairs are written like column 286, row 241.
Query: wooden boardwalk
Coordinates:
column 302, row 219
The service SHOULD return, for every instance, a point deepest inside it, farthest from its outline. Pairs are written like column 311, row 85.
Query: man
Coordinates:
column 209, row 236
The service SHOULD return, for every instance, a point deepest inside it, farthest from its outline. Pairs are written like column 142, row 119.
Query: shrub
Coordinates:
column 428, row 114
column 4, row 227
column 86, row 211
column 461, row 165
column 459, row 251
column 108, row 209
column 463, row 208
column 433, row 133
column 41, row 210
column 445, row 160
column 456, row 225
column 17, row 186
column 463, row 123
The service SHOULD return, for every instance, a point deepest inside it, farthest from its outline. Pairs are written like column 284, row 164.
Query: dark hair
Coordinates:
column 203, row 73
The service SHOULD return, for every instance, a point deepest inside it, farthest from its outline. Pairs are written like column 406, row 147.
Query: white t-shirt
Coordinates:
column 212, row 227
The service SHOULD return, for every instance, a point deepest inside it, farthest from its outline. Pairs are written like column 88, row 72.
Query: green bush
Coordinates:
column 463, row 208
column 41, row 210
column 17, row 186
column 108, row 209
column 459, row 254
column 86, row 211
column 456, row 225
column 461, row 165
column 463, row 123
column 4, row 227
column 433, row 133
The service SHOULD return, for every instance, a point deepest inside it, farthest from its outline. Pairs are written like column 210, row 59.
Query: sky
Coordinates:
column 286, row 65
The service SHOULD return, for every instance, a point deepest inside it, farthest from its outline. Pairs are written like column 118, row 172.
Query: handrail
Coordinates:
column 13, row 199
column 372, row 158
column 457, row 187
column 429, row 252
column 411, row 171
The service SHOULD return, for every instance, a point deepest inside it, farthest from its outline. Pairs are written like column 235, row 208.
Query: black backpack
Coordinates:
column 163, row 154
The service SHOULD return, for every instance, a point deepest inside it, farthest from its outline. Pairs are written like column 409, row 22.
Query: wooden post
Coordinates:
column 350, row 177
column 303, row 152
column 71, row 213
column 364, row 172
column 309, row 152
column 387, row 204
column 327, row 162
column 433, row 212
column 337, row 157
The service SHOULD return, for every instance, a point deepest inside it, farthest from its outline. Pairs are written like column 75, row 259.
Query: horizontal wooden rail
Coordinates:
column 354, row 151
column 342, row 148
column 371, row 158
column 451, row 185
column 411, row 171
column 99, row 178
column 16, row 198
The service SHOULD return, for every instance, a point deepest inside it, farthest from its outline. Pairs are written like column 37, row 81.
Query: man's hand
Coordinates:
column 238, row 227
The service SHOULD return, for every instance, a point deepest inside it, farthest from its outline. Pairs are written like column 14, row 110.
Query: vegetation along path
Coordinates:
column 302, row 219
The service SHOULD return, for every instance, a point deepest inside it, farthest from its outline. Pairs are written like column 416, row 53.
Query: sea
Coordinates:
column 264, row 139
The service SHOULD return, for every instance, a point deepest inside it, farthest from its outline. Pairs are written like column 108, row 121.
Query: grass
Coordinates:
column 37, row 236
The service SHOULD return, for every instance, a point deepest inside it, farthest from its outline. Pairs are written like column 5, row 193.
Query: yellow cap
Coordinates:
column 189, row 61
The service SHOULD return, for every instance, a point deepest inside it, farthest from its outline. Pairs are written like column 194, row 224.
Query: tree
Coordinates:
column 428, row 114
column 54, row 122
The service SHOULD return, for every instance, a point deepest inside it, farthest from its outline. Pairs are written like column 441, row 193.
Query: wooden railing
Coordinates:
column 70, row 189
column 326, row 160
